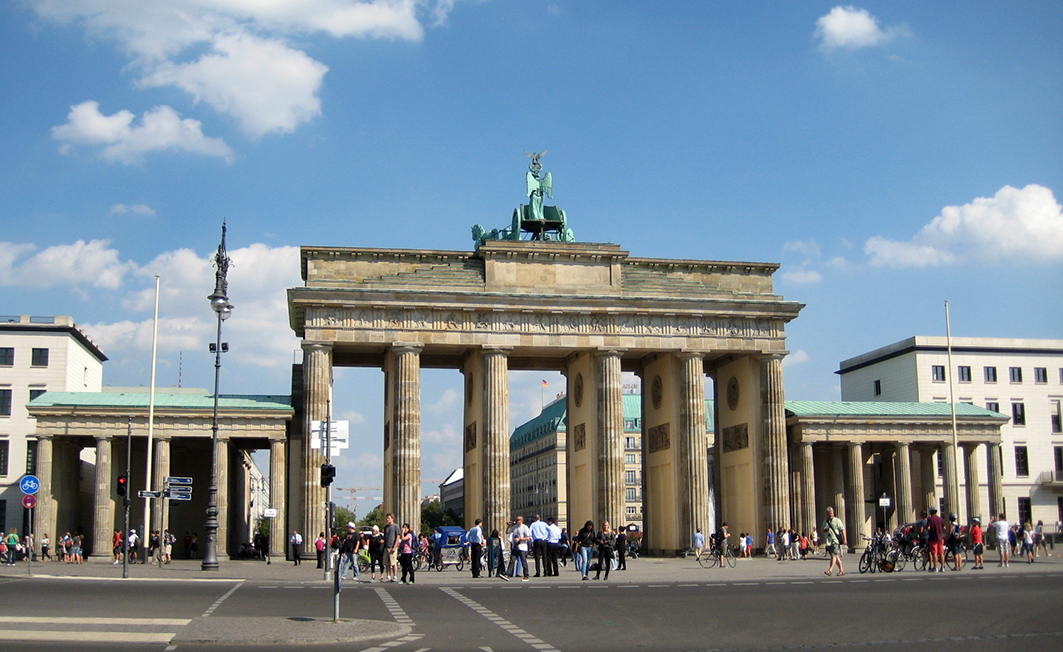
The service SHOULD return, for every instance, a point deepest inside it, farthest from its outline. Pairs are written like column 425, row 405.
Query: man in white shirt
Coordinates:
column 540, row 535
column 519, row 537
column 297, row 543
column 476, row 546
column 553, row 544
column 1001, row 527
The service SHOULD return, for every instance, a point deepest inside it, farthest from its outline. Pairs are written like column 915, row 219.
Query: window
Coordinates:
column 5, row 402
column 878, row 388
column 941, row 463
column 31, row 457
column 7, row 357
column 629, row 458
column 1015, row 373
column 1057, row 418
column 631, row 495
column 1022, row 461
column 991, row 374
column 937, row 372
column 631, row 424
column 963, row 374
column 629, row 477
column 39, row 358
column 632, row 511
column 34, row 393
column 1040, row 375
column 1059, row 459
column 992, row 406
column 630, row 442
column 1025, row 515
column 4, row 448
column 1018, row 414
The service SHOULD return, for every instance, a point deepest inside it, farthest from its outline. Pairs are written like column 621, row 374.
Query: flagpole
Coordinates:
column 151, row 416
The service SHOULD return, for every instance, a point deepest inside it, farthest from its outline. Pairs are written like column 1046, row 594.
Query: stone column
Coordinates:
column 808, row 488
column 775, row 464
column 277, row 493
column 317, row 392
column 837, row 467
column 610, row 441
column 857, row 513
column 103, row 505
column 693, row 456
column 221, row 464
column 44, row 514
column 996, row 480
column 928, row 476
column 496, row 471
column 160, row 513
column 970, row 467
column 950, row 481
column 406, row 434
column 903, row 471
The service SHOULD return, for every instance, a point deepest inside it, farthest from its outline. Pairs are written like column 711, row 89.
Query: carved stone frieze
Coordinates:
column 735, row 438
column 659, row 438
column 579, row 437
column 470, row 437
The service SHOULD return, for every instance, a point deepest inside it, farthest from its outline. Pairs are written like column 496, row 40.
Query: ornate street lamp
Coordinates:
column 219, row 302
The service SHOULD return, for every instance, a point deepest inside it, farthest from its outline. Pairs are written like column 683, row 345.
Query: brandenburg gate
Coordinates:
column 590, row 311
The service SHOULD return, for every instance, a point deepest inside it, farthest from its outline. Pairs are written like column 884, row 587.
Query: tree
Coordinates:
column 432, row 516
column 375, row 517
column 343, row 517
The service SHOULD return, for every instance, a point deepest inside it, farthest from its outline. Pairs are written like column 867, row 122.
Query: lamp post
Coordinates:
column 219, row 302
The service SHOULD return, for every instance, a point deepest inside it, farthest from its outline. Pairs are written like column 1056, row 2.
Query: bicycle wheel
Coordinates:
column 708, row 560
column 730, row 557
column 363, row 564
column 921, row 558
column 866, row 564
column 460, row 564
column 898, row 560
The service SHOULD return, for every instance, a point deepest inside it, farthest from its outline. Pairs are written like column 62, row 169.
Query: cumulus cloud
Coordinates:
column 801, row 276
column 79, row 264
column 1016, row 226
column 135, row 209
column 265, row 84
column 851, row 28
column 795, row 358
column 250, row 69
column 161, row 128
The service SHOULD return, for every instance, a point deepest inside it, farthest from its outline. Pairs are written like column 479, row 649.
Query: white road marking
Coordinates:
column 530, row 639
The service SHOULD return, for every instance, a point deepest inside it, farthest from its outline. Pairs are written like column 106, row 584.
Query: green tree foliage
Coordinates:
column 343, row 517
column 432, row 516
column 375, row 517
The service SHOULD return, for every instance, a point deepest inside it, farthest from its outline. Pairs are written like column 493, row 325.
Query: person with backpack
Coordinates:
column 834, row 537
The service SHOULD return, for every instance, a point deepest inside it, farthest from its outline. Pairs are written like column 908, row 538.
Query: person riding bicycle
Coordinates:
column 720, row 542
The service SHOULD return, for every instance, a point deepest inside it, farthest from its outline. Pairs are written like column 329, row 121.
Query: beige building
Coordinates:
column 1019, row 378
column 37, row 355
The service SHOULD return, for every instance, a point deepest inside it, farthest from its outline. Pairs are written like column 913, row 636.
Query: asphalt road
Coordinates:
column 914, row 612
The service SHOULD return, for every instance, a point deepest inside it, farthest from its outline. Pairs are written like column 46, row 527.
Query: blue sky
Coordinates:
column 891, row 155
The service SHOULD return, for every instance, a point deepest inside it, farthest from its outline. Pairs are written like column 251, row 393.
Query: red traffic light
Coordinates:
column 122, row 482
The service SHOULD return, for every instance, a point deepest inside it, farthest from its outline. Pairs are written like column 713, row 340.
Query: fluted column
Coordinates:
column 221, row 463
column 496, row 471
column 903, row 471
column 102, row 504
column 44, row 514
column 610, row 443
column 970, row 467
column 837, row 468
column 857, row 513
column 161, row 469
column 277, row 493
column 317, row 392
column 996, row 480
column 693, row 456
column 928, row 477
column 406, row 434
column 808, row 488
column 950, row 480
column 775, row 463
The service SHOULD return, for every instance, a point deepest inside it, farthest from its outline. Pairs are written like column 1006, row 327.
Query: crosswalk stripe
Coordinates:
column 70, row 620
column 84, row 637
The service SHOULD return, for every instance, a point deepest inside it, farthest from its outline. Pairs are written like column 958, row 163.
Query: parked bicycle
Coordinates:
column 711, row 558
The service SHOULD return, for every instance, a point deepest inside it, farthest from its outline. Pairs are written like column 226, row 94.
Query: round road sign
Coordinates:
column 29, row 484
column 29, row 502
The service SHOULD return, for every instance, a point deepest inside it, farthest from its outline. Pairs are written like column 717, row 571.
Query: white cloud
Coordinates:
column 1017, row 226
column 801, row 276
column 797, row 357
column 265, row 84
column 160, row 128
column 251, row 71
column 806, row 247
column 136, row 209
column 79, row 264
column 851, row 28
column 446, row 402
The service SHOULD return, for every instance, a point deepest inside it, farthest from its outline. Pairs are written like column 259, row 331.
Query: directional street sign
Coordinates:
column 175, row 481
column 181, row 489
column 173, row 496
column 269, row 512
column 29, row 502
column 149, row 494
column 29, row 484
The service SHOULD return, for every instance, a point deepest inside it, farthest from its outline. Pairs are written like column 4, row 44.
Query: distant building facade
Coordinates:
column 452, row 493
column 37, row 355
column 1021, row 379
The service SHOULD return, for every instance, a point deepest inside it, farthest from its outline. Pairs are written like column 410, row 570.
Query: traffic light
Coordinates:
column 123, row 481
column 328, row 474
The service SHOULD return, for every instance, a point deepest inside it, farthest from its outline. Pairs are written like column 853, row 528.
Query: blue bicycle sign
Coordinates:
column 29, row 485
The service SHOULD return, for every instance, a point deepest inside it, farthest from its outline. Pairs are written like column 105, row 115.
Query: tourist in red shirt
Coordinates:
column 935, row 541
column 976, row 541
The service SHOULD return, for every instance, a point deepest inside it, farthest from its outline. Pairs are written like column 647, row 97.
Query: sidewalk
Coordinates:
column 642, row 570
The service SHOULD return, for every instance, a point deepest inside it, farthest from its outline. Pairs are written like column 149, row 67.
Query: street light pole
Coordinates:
column 219, row 302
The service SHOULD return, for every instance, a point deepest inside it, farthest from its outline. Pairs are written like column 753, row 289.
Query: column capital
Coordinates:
column 772, row 356
column 687, row 354
column 609, row 351
column 100, row 438
column 407, row 347
column 491, row 349
column 312, row 345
